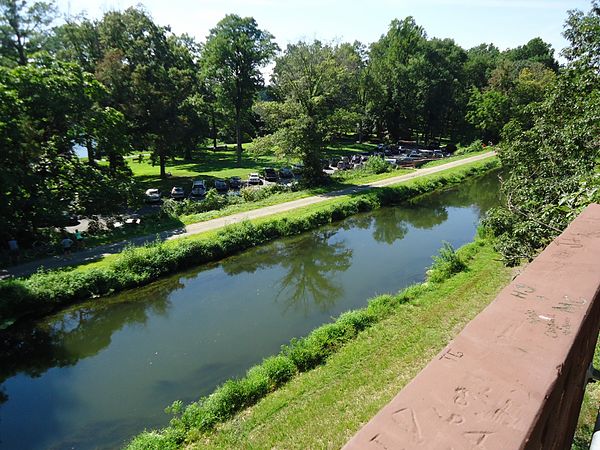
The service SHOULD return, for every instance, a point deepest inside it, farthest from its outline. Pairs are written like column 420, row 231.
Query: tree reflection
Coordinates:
column 309, row 264
column 391, row 224
column 64, row 339
column 482, row 193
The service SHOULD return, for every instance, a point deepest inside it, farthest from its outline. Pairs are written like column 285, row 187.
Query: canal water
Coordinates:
column 96, row 374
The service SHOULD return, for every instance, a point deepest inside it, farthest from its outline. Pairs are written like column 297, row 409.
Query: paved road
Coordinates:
column 96, row 253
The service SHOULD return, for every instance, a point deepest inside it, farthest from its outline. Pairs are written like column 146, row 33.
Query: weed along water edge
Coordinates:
column 94, row 375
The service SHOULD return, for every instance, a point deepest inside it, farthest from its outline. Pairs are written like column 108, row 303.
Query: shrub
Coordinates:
column 377, row 165
column 475, row 146
column 445, row 265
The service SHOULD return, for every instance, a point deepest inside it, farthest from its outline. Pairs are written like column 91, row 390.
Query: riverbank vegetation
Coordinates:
column 552, row 150
column 362, row 351
column 45, row 291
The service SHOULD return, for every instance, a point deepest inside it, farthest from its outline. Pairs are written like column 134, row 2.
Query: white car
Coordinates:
column 254, row 178
column 177, row 193
column 152, row 195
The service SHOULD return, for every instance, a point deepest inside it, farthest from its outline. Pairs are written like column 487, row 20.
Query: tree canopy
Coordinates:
column 235, row 51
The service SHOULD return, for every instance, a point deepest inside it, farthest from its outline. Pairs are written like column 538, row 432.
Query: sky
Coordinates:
column 505, row 23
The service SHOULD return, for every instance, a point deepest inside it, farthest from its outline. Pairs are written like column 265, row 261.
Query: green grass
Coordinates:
column 324, row 407
column 210, row 165
column 589, row 410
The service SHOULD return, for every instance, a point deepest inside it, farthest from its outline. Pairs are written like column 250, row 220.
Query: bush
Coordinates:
column 475, row 146
column 445, row 265
column 377, row 165
column 253, row 194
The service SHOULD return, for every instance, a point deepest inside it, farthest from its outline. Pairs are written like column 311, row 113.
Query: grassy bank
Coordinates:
column 45, row 291
column 319, row 390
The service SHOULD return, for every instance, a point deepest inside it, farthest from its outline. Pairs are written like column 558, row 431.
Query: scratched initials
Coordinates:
column 522, row 291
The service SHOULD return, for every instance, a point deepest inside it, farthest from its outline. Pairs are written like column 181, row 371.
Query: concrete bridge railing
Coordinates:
column 514, row 377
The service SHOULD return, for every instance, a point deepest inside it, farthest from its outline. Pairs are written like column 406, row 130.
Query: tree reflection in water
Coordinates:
column 77, row 333
column 309, row 263
column 428, row 211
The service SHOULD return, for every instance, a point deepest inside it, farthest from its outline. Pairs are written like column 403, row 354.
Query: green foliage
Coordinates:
column 552, row 154
column 42, row 178
column 377, row 165
column 446, row 264
column 473, row 147
column 24, row 29
column 234, row 52
column 315, row 84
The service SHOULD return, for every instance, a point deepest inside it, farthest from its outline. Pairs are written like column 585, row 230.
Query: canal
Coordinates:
column 94, row 375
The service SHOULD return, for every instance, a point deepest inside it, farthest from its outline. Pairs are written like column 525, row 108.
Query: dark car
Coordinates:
column 286, row 173
column 270, row 174
column 235, row 183
column 221, row 185
column 198, row 189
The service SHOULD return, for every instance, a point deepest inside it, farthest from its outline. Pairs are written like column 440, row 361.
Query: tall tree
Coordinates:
column 536, row 50
column 24, row 29
column 394, row 60
column 45, row 110
column 235, row 51
column 310, row 83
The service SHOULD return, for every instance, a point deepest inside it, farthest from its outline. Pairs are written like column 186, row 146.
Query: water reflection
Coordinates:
column 78, row 333
column 309, row 265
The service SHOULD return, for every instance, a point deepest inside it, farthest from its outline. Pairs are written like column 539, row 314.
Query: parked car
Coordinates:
column 343, row 165
column 152, row 195
column 177, row 193
column 221, row 185
column 198, row 189
column 235, row 182
column 286, row 173
column 254, row 178
column 270, row 174
column 438, row 154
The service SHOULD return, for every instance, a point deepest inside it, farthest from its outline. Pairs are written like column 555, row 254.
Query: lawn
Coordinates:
column 211, row 165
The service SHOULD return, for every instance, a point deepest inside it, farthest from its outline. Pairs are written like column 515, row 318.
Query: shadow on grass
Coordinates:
column 101, row 247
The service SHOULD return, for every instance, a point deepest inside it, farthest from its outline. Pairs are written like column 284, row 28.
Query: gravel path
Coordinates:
column 96, row 253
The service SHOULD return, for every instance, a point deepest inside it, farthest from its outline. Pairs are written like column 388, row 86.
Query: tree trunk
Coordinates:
column 90, row 152
column 360, row 131
column 213, row 128
column 162, row 162
column 21, row 50
column 187, row 154
column 238, row 135
column 113, row 162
